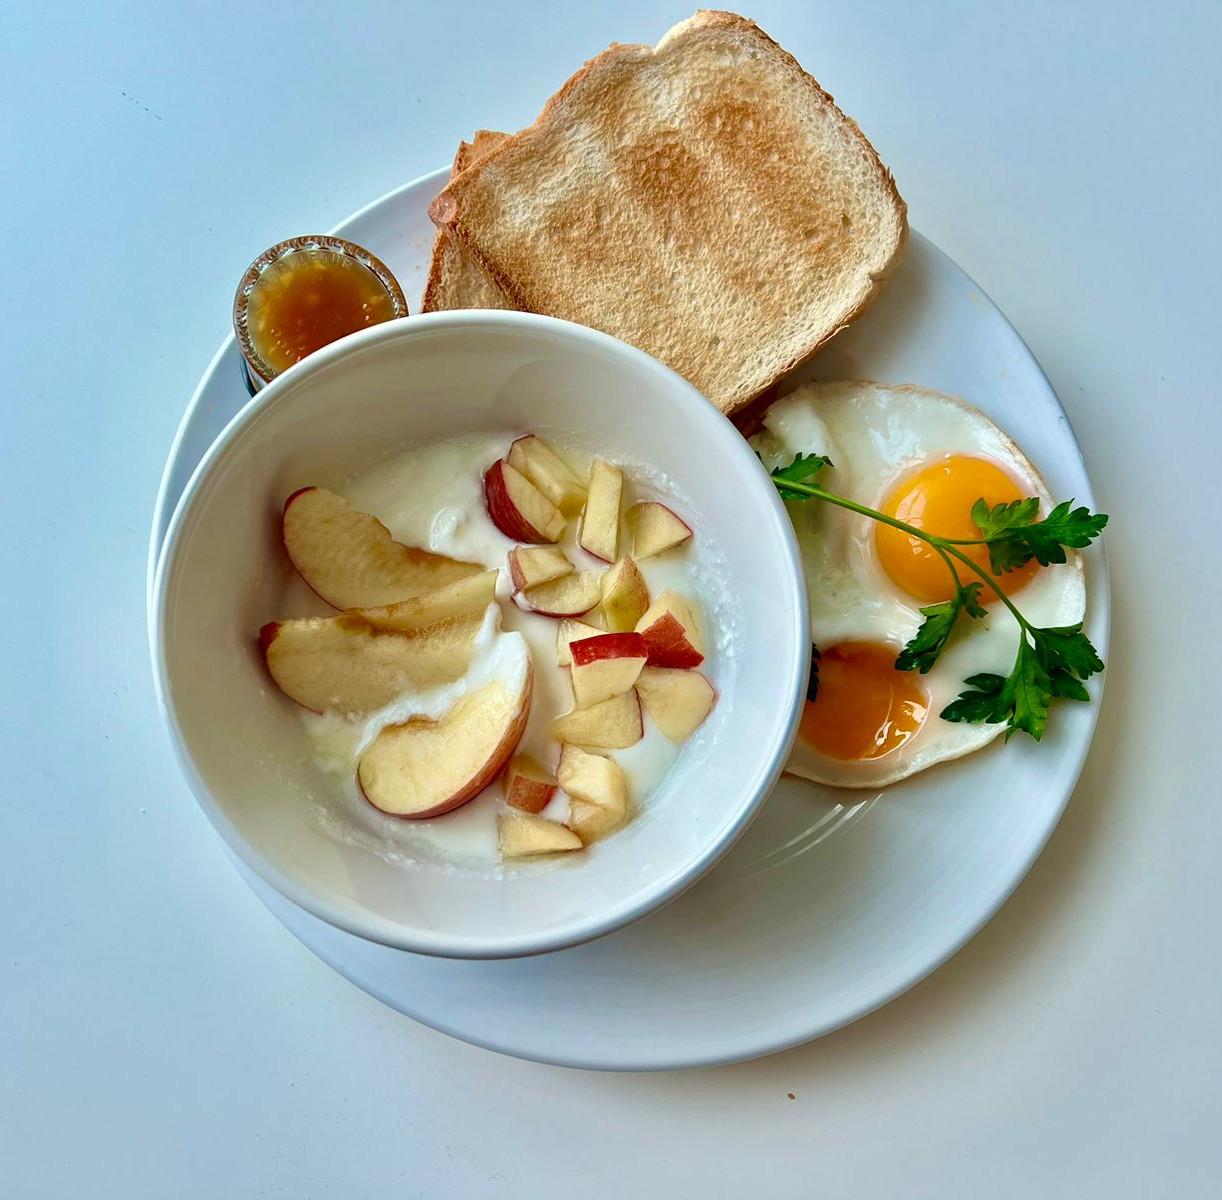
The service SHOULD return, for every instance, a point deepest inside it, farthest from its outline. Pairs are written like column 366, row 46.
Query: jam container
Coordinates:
column 305, row 293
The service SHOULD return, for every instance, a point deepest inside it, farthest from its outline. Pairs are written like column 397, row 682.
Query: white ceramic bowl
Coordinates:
column 223, row 573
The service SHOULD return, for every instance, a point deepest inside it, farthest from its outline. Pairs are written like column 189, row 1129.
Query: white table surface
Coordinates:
column 160, row 1033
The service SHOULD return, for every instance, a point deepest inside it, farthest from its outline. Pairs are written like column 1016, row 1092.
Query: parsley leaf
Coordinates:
column 812, row 687
column 969, row 594
column 802, row 470
column 980, row 704
column 930, row 640
column 1064, row 526
column 1051, row 665
column 1027, row 694
column 1021, row 699
column 1065, row 687
column 1002, row 518
column 1067, row 648
column 1014, row 536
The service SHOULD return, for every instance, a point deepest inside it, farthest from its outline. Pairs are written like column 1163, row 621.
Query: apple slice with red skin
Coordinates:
column 342, row 664
column 531, row 566
column 350, row 559
column 670, row 629
column 613, row 724
column 600, row 523
column 570, row 631
column 528, row 786
column 534, row 458
column 606, row 665
column 522, row 835
column 655, row 528
column 517, row 508
column 625, row 596
column 425, row 767
column 676, row 701
column 568, row 596
column 467, row 599
column 597, row 789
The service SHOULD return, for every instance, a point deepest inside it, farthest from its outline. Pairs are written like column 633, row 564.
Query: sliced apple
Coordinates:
column 571, row 631
column 464, row 600
column 597, row 789
column 672, row 632
column 655, row 528
column 600, row 523
column 625, row 596
column 534, row 458
column 530, row 566
column 427, row 767
column 568, row 596
column 613, row 724
column 676, row 701
column 350, row 559
column 528, row 786
column 522, row 835
column 517, row 508
column 344, row 665
column 606, row 665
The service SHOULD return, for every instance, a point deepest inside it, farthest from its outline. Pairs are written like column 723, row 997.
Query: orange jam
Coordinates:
column 306, row 293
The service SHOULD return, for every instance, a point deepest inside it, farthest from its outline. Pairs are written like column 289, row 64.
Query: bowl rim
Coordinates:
column 770, row 762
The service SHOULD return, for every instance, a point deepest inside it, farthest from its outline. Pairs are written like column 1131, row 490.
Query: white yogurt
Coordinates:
column 432, row 497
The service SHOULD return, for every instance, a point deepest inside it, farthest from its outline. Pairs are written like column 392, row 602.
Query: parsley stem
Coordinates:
column 810, row 489
column 989, row 578
column 944, row 546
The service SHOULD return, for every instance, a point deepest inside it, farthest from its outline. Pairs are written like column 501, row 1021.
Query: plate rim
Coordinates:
column 1100, row 598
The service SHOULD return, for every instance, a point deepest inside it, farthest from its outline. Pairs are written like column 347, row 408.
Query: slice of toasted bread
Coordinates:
column 704, row 200
column 455, row 279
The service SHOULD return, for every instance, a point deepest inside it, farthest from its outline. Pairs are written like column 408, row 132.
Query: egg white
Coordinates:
column 875, row 435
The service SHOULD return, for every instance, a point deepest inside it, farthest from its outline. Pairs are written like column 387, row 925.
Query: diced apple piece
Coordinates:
column 427, row 767
column 465, row 600
column 530, row 566
column 676, row 701
column 568, row 596
column 350, row 559
column 672, row 633
column 625, row 596
column 528, row 786
column 522, row 835
column 612, row 725
column 344, row 665
column 606, row 665
column 535, row 459
column 600, row 524
column 571, row 631
column 517, row 508
column 655, row 528
column 597, row 790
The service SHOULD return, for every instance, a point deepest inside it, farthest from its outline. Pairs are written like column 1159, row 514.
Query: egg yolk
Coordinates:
column 865, row 707
column 939, row 499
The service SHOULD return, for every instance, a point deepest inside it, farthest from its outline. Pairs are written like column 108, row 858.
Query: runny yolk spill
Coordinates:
column 939, row 499
column 865, row 707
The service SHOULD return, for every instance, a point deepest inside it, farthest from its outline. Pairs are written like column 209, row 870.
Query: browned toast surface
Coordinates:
column 703, row 199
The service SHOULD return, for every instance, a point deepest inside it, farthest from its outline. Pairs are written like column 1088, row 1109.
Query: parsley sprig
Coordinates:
column 1052, row 662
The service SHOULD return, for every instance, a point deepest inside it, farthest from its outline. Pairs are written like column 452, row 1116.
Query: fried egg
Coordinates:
column 924, row 458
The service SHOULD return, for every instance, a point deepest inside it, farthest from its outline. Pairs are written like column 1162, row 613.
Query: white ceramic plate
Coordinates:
column 832, row 904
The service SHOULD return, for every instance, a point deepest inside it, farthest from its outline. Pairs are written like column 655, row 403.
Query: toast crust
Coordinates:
column 607, row 203
column 455, row 280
